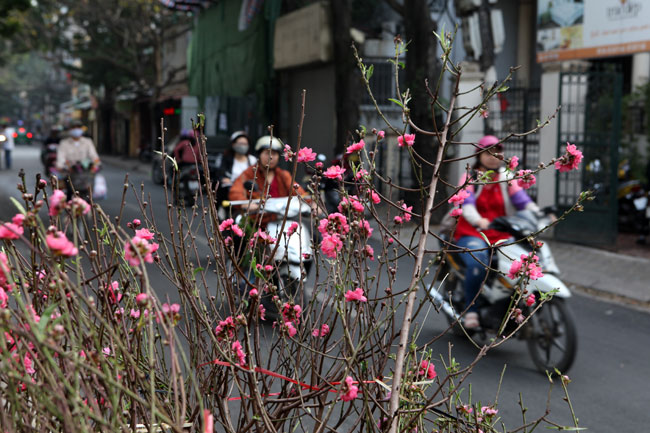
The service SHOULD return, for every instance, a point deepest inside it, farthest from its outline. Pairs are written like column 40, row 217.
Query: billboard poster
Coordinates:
column 577, row 29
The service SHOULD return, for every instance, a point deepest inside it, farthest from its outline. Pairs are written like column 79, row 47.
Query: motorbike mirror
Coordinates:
column 250, row 185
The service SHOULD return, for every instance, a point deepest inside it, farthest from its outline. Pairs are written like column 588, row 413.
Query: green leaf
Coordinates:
column 396, row 102
column 369, row 72
column 196, row 271
column 18, row 205
column 484, row 237
column 256, row 271
column 45, row 318
column 502, row 89
column 402, row 65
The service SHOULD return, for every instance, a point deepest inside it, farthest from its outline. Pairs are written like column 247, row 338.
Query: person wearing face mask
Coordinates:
column 272, row 181
column 76, row 155
column 230, row 164
column 480, row 208
column 76, row 149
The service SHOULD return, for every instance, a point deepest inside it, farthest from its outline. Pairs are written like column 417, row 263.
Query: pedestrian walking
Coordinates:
column 8, row 143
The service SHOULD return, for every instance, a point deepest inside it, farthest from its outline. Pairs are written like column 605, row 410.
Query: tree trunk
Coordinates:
column 421, row 64
column 105, row 134
column 347, row 83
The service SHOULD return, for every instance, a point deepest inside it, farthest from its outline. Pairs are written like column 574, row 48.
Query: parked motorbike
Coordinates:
column 293, row 251
column 48, row 158
column 189, row 182
column 633, row 213
column 328, row 189
column 550, row 333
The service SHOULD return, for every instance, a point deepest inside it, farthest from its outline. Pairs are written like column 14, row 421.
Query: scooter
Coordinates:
column 48, row 158
column 189, row 182
column 293, row 251
column 550, row 332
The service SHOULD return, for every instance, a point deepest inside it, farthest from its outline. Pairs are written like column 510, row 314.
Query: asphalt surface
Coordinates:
column 611, row 373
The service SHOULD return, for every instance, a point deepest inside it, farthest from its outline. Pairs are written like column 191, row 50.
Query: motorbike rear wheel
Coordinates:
column 553, row 338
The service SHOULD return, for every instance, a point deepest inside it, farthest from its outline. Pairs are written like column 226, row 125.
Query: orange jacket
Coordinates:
column 282, row 178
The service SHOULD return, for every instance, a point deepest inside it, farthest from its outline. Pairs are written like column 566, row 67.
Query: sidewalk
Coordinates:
column 604, row 273
column 619, row 275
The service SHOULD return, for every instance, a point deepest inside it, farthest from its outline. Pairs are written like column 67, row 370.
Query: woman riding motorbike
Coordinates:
column 270, row 180
column 480, row 208
column 77, row 158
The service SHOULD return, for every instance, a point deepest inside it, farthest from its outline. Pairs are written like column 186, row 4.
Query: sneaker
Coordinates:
column 471, row 320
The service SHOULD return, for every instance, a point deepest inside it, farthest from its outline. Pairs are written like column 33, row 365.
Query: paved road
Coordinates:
column 610, row 378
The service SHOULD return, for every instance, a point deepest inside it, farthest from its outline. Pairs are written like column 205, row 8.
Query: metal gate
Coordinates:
column 517, row 110
column 590, row 118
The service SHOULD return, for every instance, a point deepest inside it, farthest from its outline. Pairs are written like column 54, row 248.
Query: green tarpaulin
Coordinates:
column 224, row 61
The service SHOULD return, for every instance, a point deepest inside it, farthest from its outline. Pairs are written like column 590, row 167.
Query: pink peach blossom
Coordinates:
column 355, row 147
column 530, row 300
column 513, row 163
column 241, row 356
column 570, row 160
column 331, row 245
column 349, row 391
column 18, row 219
column 356, row 295
column 380, row 135
column 406, row 140
column 334, row 172
column 305, row 154
column 458, row 198
column 142, row 299
column 79, row 206
column 137, row 249
column 10, row 231
column 427, row 369
column 288, row 153
column 291, row 330
column 292, row 229
column 208, row 421
column 406, row 215
column 527, row 179
column 515, row 267
column 57, row 202
column 60, row 245
column 456, row 212
column 323, row 331
column 4, row 298
column 144, row 234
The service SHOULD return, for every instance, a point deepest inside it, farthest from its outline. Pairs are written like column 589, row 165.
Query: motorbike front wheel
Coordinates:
column 553, row 338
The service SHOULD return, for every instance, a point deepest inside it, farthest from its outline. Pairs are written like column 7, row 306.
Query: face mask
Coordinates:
column 76, row 132
column 241, row 149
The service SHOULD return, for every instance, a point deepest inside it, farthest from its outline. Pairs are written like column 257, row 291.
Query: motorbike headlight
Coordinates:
column 2, row 138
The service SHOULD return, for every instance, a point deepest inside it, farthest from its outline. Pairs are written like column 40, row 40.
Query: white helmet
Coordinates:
column 268, row 142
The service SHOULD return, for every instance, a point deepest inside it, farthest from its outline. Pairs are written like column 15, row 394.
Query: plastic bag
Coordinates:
column 99, row 188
